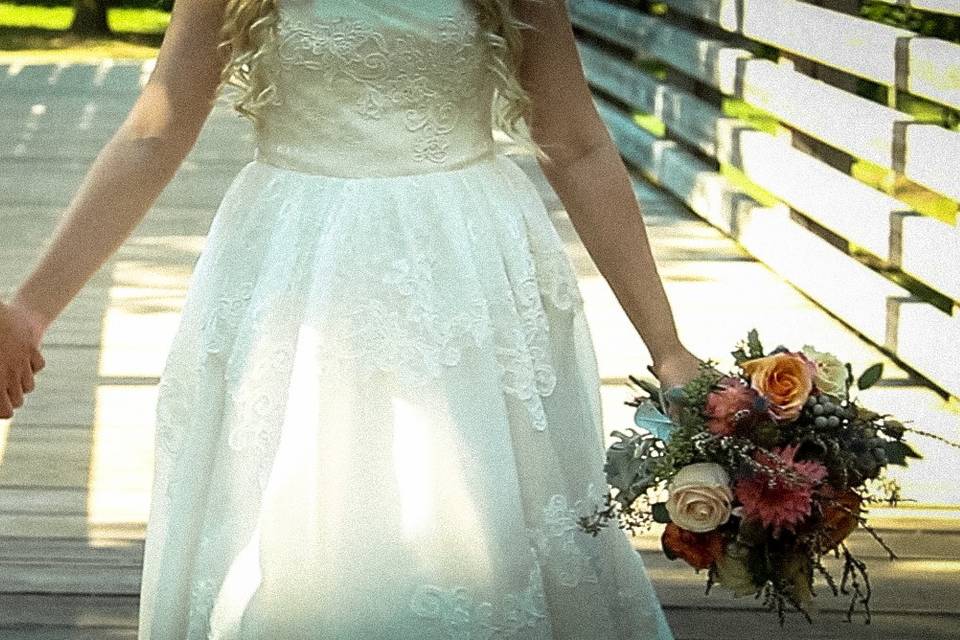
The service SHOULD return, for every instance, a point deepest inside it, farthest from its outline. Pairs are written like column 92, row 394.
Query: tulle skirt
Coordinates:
column 380, row 419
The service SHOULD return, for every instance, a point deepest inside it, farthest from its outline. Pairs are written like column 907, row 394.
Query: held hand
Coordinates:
column 20, row 335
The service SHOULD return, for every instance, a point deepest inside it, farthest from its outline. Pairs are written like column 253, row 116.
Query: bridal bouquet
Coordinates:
column 759, row 475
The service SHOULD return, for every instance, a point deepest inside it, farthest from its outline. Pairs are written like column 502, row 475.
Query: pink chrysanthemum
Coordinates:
column 787, row 503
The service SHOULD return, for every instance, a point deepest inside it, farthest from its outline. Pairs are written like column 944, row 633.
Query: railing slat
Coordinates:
column 710, row 61
column 929, row 341
column 929, row 67
column 933, row 158
column 923, row 247
column 839, row 202
column 934, row 70
column 688, row 117
column 709, row 194
column 930, row 251
column 726, row 14
column 927, row 154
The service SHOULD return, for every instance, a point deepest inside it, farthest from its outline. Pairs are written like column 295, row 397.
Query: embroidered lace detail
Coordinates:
column 201, row 604
column 427, row 78
column 320, row 298
column 565, row 549
column 172, row 397
column 406, row 314
column 457, row 615
column 176, row 411
column 225, row 317
column 202, row 595
column 255, row 406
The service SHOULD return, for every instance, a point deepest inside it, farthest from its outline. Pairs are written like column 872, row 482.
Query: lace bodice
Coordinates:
column 377, row 88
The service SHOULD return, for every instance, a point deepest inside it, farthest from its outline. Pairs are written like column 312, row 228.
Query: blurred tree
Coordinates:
column 90, row 18
column 922, row 22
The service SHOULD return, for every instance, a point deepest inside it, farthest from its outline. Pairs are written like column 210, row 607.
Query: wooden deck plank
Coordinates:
column 918, row 586
column 909, row 544
column 38, row 616
column 72, row 632
column 46, row 183
column 41, row 616
column 68, row 610
column 720, row 624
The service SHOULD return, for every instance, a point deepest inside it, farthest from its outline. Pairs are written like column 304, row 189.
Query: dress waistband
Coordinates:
column 313, row 163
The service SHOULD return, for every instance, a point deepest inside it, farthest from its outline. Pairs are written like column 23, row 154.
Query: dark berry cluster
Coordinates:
column 852, row 444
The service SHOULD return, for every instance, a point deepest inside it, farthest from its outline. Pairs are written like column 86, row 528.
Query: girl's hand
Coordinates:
column 674, row 370
column 21, row 332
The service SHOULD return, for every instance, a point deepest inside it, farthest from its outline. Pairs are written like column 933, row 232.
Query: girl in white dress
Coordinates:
column 380, row 415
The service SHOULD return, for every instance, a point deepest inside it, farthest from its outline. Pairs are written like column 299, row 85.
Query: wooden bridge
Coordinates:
column 76, row 460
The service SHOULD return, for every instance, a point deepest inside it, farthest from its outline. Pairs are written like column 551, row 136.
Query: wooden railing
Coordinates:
column 887, row 269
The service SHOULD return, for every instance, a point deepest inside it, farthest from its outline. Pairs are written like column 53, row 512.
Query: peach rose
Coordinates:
column 785, row 379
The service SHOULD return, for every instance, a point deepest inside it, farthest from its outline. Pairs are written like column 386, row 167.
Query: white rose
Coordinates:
column 831, row 375
column 700, row 497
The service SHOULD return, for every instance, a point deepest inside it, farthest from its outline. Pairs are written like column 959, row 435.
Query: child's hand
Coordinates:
column 20, row 358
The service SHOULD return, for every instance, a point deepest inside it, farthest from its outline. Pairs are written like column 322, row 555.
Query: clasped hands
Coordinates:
column 21, row 332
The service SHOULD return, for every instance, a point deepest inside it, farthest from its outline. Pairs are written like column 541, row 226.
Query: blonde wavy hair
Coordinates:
column 248, row 28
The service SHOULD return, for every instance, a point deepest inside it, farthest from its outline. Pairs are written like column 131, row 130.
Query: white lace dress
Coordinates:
column 380, row 415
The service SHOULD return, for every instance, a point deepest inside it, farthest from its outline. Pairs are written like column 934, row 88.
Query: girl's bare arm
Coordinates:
column 136, row 164
column 123, row 182
column 591, row 180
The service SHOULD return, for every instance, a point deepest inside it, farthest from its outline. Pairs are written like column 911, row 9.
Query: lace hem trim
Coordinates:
column 457, row 615
column 559, row 540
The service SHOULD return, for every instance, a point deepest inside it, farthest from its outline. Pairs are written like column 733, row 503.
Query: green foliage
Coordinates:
column 34, row 19
column 756, row 118
column 921, row 22
column 688, row 428
column 898, row 452
column 660, row 513
column 741, row 182
column 753, row 343
column 650, row 123
column 748, row 349
column 870, row 376
column 631, row 464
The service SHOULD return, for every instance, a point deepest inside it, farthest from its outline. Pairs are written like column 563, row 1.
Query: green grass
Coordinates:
column 921, row 199
column 650, row 123
column 122, row 20
column 756, row 118
column 40, row 33
column 742, row 183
